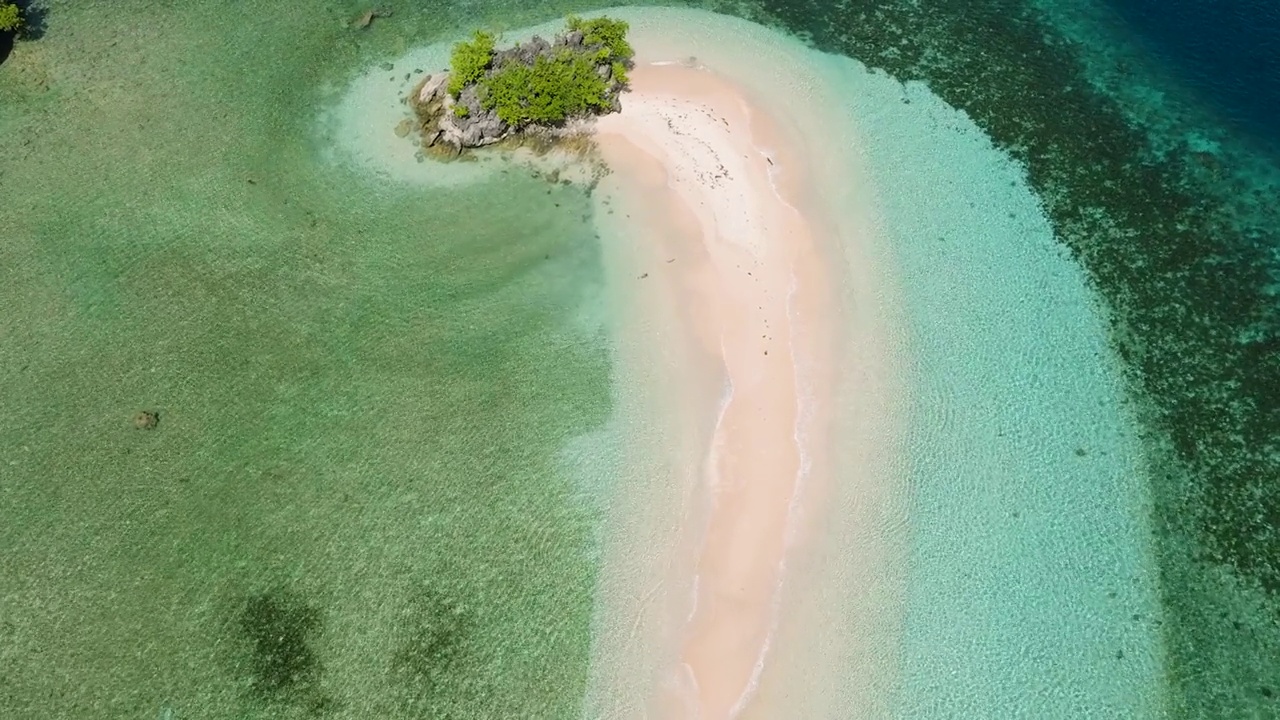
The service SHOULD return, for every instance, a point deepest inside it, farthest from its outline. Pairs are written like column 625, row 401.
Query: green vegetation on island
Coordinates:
column 10, row 17
column 611, row 35
column 549, row 91
column 469, row 61
column 488, row 94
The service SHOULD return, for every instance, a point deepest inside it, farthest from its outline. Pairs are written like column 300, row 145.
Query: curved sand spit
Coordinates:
column 743, row 265
column 755, row 558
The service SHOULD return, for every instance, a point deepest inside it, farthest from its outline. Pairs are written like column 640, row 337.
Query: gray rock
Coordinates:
column 605, row 71
column 525, row 52
column 450, row 133
column 471, row 135
column 537, row 45
column 432, row 88
column 573, row 38
column 475, row 128
column 470, row 97
column 492, row 128
column 502, row 57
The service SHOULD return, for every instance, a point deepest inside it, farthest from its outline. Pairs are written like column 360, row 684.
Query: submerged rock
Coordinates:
column 367, row 17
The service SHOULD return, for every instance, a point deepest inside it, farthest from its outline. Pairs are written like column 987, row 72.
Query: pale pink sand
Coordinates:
column 745, row 271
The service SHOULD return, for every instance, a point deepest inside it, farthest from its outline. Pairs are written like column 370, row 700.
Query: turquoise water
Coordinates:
column 1031, row 588
column 1172, row 218
column 373, row 490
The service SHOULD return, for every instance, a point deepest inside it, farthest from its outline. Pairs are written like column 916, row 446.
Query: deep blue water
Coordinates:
column 1226, row 51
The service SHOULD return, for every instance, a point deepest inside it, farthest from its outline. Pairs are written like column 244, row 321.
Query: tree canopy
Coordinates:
column 562, row 81
column 469, row 61
column 609, row 33
column 552, row 89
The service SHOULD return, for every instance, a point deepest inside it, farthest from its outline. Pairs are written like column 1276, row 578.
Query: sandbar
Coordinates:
column 723, row 187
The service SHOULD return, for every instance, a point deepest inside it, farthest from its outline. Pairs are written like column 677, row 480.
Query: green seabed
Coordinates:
column 354, row 501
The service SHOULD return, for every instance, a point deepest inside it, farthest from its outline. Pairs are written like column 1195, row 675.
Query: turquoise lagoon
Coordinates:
column 381, row 475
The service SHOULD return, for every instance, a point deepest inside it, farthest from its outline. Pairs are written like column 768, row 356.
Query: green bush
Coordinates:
column 10, row 17
column 609, row 33
column 469, row 61
column 550, row 91
column 620, row 72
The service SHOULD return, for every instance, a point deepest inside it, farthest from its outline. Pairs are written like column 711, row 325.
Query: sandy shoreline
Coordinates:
column 745, row 266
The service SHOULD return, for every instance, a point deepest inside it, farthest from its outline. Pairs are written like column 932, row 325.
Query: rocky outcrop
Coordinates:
column 460, row 122
column 475, row 126
column 463, row 121
column 432, row 87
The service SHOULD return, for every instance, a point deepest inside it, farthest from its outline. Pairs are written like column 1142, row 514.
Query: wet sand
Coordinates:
column 745, row 268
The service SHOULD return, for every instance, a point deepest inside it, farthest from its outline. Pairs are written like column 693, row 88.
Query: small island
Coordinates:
column 535, row 90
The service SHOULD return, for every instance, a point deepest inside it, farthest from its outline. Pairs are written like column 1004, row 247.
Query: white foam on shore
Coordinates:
column 804, row 416
column 717, row 439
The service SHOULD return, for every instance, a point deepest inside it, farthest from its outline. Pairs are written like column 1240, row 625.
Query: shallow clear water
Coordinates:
column 1031, row 586
column 355, row 500
column 376, row 484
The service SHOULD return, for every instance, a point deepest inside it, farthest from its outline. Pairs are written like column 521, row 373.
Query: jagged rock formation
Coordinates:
column 464, row 122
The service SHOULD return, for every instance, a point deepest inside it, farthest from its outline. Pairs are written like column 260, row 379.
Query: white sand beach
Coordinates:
column 888, row 514
column 715, row 187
